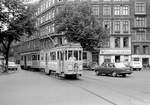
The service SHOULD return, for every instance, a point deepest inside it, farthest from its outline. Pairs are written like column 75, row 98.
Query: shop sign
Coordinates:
column 116, row 52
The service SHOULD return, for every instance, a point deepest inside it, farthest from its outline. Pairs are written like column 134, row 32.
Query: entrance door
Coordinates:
column 25, row 62
column 95, row 57
column 117, row 59
column 145, row 62
column 46, row 60
column 61, row 62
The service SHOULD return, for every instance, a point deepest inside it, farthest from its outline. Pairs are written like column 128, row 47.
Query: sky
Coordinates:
column 30, row 1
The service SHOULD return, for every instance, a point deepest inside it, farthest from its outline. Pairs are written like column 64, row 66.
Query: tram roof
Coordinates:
column 70, row 45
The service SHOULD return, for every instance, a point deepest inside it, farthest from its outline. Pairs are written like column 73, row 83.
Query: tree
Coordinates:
column 16, row 20
column 77, row 22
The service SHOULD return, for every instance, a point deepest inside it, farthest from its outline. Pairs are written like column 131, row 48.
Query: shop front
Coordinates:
column 114, row 55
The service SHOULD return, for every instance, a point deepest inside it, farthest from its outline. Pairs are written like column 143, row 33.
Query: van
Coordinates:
column 136, row 64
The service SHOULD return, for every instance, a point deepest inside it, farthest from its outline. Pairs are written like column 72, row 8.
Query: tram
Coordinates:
column 65, row 60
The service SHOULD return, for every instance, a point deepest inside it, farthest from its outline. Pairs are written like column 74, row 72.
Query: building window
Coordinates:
column 121, row 0
column 59, row 0
column 117, row 26
column 140, row 7
column 106, row 10
column 117, row 42
column 125, row 10
column 125, row 42
column 95, row 10
column 84, row 55
column 125, row 26
column 107, row 58
column 117, row 10
column 106, row 0
column 107, row 25
column 135, row 49
column 140, row 22
column 140, row 36
column 126, row 58
column 121, row 10
column 145, row 48
column 94, row 0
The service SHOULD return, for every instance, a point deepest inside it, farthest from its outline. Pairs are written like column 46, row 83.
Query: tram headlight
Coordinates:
column 69, row 67
column 80, row 67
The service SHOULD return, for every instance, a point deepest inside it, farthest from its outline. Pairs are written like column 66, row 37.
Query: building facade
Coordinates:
column 141, row 36
column 126, row 21
column 116, row 16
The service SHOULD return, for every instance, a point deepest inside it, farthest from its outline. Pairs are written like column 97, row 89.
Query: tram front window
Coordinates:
column 76, row 54
column 80, row 56
column 69, row 54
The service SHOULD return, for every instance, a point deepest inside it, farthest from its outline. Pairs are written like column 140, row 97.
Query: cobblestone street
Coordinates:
column 35, row 88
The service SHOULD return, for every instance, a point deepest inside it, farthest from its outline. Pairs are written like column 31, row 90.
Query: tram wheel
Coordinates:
column 49, row 73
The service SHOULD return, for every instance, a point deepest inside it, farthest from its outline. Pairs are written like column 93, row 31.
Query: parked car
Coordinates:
column 12, row 66
column 1, row 65
column 136, row 64
column 92, row 66
column 113, row 69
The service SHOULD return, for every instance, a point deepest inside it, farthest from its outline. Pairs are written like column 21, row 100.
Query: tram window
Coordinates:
column 21, row 57
column 42, row 58
column 29, row 57
column 38, row 57
column 65, row 55
column 76, row 54
column 80, row 55
column 58, row 55
column 69, row 54
column 33, row 57
column 53, row 55
column 61, row 55
column 50, row 55
column 84, row 55
column 46, row 57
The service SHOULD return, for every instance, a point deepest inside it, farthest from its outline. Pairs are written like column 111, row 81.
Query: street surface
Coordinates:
column 35, row 88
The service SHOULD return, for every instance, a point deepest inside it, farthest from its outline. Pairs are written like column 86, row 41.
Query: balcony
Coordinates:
column 140, row 29
column 140, row 14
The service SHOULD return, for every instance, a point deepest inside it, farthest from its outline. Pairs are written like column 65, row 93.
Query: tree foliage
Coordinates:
column 16, row 20
column 77, row 22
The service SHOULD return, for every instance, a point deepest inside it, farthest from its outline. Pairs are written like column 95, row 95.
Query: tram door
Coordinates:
column 61, row 62
column 46, row 60
column 25, row 61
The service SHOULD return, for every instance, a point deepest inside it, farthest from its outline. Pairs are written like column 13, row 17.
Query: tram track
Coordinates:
column 72, row 82
column 118, row 88
column 93, row 93
column 84, row 80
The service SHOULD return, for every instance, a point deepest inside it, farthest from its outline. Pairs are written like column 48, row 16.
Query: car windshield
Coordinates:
column 119, row 65
column 11, row 63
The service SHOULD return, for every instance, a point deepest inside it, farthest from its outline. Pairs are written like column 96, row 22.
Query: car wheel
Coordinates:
column 124, row 75
column 97, row 72
column 114, row 74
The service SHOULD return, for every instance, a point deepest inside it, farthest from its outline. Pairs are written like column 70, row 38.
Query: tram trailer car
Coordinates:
column 57, row 60
column 30, row 61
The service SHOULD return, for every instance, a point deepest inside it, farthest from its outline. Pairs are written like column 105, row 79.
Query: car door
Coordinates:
column 109, row 68
column 103, row 68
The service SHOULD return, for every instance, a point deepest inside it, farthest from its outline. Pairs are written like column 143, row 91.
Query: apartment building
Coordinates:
column 116, row 17
column 141, row 36
column 126, row 21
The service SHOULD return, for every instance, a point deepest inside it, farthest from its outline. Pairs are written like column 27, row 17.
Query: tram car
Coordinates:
column 30, row 61
column 63, row 60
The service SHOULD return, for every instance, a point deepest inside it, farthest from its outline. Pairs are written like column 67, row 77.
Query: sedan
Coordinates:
column 113, row 69
column 12, row 66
